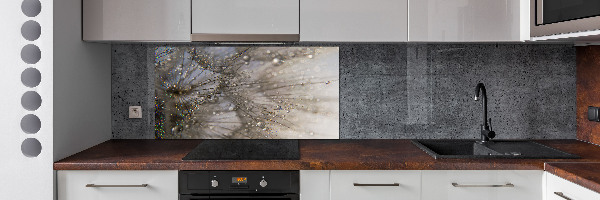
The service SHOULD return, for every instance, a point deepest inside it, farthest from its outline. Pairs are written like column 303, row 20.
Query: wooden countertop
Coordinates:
column 314, row 155
column 581, row 173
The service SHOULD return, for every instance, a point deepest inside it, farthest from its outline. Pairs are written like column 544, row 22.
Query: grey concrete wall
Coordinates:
column 410, row 90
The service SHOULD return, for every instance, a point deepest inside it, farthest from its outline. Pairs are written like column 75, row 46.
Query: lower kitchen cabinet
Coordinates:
column 314, row 184
column 375, row 185
column 560, row 189
column 117, row 185
column 482, row 184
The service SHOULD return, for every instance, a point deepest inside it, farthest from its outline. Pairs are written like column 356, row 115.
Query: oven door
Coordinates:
column 236, row 197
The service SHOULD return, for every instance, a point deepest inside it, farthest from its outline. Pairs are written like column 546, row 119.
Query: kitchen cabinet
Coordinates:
column 354, row 20
column 468, row 20
column 482, row 184
column 136, row 20
column 117, row 185
column 378, row 184
column 314, row 184
column 243, row 20
column 560, row 189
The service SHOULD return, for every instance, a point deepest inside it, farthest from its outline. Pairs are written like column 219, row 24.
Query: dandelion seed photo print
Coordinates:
column 247, row 92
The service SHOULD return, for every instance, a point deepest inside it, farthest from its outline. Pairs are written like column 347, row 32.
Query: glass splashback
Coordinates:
column 246, row 92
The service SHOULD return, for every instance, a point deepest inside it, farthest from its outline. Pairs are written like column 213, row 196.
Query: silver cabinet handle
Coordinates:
column 505, row 185
column 560, row 194
column 94, row 185
column 361, row 184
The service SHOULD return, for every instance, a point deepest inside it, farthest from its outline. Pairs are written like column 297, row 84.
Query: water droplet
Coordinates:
column 246, row 58
column 176, row 129
column 276, row 61
column 268, row 51
column 309, row 56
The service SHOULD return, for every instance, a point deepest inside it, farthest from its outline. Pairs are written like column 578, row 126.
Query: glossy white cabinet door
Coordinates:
column 136, row 20
column 408, row 185
column 162, row 185
column 477, row 184
column 567, row 189
column 468, row 20
column 246, row 16
column 354, row 20
column 314, row 184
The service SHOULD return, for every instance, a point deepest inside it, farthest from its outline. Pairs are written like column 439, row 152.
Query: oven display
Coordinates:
column 239, row 180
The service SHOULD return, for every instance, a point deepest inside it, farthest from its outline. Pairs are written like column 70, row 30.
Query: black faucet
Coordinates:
column 486, row 129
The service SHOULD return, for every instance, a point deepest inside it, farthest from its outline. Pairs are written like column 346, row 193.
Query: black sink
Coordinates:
column 492, row 149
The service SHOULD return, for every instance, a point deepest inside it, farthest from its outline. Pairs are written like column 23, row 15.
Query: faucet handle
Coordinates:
column 491, row 124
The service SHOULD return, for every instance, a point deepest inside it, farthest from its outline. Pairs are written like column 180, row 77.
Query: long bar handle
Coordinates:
column 361, row 184
column 560, row 194
column 505, row 185
column 94, row 185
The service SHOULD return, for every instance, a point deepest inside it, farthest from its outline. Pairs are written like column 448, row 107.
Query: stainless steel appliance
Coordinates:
column 234, row 185
column 555, row 17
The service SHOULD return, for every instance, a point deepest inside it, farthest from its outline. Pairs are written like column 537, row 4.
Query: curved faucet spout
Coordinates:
column 486, row 133
column 481, row 87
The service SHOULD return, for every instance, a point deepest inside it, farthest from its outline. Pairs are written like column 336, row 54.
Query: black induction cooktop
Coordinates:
column 269, row 149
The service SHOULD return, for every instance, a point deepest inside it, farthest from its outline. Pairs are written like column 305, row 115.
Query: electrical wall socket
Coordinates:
column 135, row 111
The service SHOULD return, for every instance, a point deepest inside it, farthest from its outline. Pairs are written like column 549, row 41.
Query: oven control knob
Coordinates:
column 214, row 183
column 263, row 183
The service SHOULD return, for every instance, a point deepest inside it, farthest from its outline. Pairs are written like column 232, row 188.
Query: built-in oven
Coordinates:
column 234, row 185
column 554, row 17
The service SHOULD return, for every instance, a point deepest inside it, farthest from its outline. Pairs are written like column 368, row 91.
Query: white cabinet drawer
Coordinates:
column 568, row 189
column 343, row 187
column 162, row 185
column 479, row 184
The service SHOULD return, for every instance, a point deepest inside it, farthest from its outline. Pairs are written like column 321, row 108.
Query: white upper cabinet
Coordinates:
column 354, row 20
column 245, row 20
column 136, row 20
column 468, row 20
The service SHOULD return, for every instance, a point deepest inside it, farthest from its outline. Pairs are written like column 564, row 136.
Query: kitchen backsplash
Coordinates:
column 246, row 92
column 404, row 91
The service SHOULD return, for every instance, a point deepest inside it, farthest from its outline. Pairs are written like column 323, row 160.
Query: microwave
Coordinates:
column 564, row 17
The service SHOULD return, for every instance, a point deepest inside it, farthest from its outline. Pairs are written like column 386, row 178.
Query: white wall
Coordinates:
column 24, row 177
column 75, row 92
column 82, row 84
